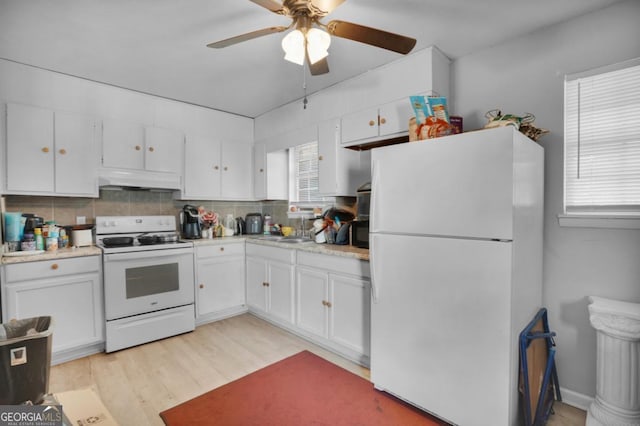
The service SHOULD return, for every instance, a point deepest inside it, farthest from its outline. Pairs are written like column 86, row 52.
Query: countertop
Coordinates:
column 53, row 255
column 329, row 249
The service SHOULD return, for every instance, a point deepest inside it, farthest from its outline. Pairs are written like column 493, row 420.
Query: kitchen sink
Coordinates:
column 291, row 239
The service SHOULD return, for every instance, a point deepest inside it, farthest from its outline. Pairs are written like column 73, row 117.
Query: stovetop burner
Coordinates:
column 116, row 234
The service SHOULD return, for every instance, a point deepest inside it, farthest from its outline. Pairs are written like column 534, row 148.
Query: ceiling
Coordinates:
column 159, row 46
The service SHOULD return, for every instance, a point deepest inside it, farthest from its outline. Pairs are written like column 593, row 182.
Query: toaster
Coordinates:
column 253, row 223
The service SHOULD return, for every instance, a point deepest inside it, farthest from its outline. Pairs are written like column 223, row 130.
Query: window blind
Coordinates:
column 602, row 139
column 306, row 174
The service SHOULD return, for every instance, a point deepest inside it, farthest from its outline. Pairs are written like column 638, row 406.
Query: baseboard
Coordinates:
column 220, row 315
column 576, row 399
column 60, row 357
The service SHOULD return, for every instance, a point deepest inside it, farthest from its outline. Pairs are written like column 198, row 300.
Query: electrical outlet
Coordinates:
column 81, row 220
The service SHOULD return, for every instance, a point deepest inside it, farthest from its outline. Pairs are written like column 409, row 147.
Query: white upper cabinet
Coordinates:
column 340, row 170
column 270, row 174
column 237, row 176
column 217, row 170
column 29, row 149
column 202, row 167
column 164, row 150
column 387, row 120
column 75, row 156
column 133, row 146
column 50, row 153
column 122, row 144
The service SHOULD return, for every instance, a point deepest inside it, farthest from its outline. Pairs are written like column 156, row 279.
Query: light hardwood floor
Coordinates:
column 138, row 383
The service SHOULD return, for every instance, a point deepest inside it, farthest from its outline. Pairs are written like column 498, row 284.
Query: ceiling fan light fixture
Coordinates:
column 293, row 45
column 318, row 42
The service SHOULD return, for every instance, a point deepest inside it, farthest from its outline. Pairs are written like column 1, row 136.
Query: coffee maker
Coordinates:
column 190, row 222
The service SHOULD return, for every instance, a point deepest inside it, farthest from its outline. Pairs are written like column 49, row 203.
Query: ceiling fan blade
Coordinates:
column 244, row 37
column 319, row 68
column 374, row 37
column 272, row 5
column 326, row 6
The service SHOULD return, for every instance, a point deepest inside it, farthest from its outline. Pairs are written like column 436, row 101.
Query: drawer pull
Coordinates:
column 326, row 303
column 54, row 266
column 226, row 168
column 372, row 123
column 45, row 149
column 62, row 151
column 221, row 248
column 320, row 158
column 216, row 168
column 266, row 284
column 201, row 285
column 383, row 120
column 138, row 147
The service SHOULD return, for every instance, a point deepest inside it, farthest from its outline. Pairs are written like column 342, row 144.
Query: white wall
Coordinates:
column 526, row 75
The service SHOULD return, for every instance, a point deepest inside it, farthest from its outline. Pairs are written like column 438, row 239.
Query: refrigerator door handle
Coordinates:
column 373, row 266
column 374, row 210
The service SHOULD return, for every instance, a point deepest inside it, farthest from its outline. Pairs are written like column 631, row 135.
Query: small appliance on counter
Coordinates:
column 241, row 228
column 82, row 235
column 253, row 223
column 190, row 222
column 360, row 226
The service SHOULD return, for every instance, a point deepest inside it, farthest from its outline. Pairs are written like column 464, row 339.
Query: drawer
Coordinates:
column 337, row 264
column 217, row 250
column 51, row 268
column 271, row 253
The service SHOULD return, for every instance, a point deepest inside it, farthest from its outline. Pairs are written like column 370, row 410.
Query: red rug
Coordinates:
column 303, row 389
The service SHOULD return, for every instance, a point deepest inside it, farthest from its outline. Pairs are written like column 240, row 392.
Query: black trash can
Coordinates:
column 25, row 360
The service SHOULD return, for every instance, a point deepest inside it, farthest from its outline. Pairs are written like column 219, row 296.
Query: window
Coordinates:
column 304, row 168
column 602, row 141
column 304, row 182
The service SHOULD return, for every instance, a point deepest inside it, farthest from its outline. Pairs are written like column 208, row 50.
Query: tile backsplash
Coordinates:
column 65, row 210
column 126, row 202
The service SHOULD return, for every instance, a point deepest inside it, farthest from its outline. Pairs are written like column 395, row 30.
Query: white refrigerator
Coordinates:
column 456, row 269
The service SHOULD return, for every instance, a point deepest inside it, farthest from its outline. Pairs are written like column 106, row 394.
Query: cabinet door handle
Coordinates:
column 62, row 151
column 226, row 168
column 324, row 303
column 151, row 149
column 383, row 120
column 138, row 147
column 216, row 168
column 372, row 123
column 201, row 285
column 45, row 149
column 320, row 158
column 54, row 266
column 266, row 284
column 221, row 248
column 261, row 170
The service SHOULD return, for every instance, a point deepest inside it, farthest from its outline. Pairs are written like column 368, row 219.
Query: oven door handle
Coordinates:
column 133, row 255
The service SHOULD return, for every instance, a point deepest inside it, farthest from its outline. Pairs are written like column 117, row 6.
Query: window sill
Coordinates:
column 600, row 220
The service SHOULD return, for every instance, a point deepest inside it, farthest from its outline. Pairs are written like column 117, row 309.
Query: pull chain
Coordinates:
column 304, row 85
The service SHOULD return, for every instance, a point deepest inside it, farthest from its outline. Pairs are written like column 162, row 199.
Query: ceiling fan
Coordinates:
column 311, row 38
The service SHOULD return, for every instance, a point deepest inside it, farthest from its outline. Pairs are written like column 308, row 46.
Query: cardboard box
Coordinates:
column 83, row 408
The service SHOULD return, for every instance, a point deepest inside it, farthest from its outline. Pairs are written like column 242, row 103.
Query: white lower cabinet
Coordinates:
column 70, row 291
column 270, row 283
column 333, row 303
column 220, row 273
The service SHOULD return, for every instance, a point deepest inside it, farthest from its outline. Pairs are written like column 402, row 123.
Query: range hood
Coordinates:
column 109, row 178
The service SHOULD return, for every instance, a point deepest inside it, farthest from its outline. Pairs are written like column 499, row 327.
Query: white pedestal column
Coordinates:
column 617, row 401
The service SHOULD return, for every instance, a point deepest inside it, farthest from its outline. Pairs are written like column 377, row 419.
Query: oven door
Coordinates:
column 147, row 281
